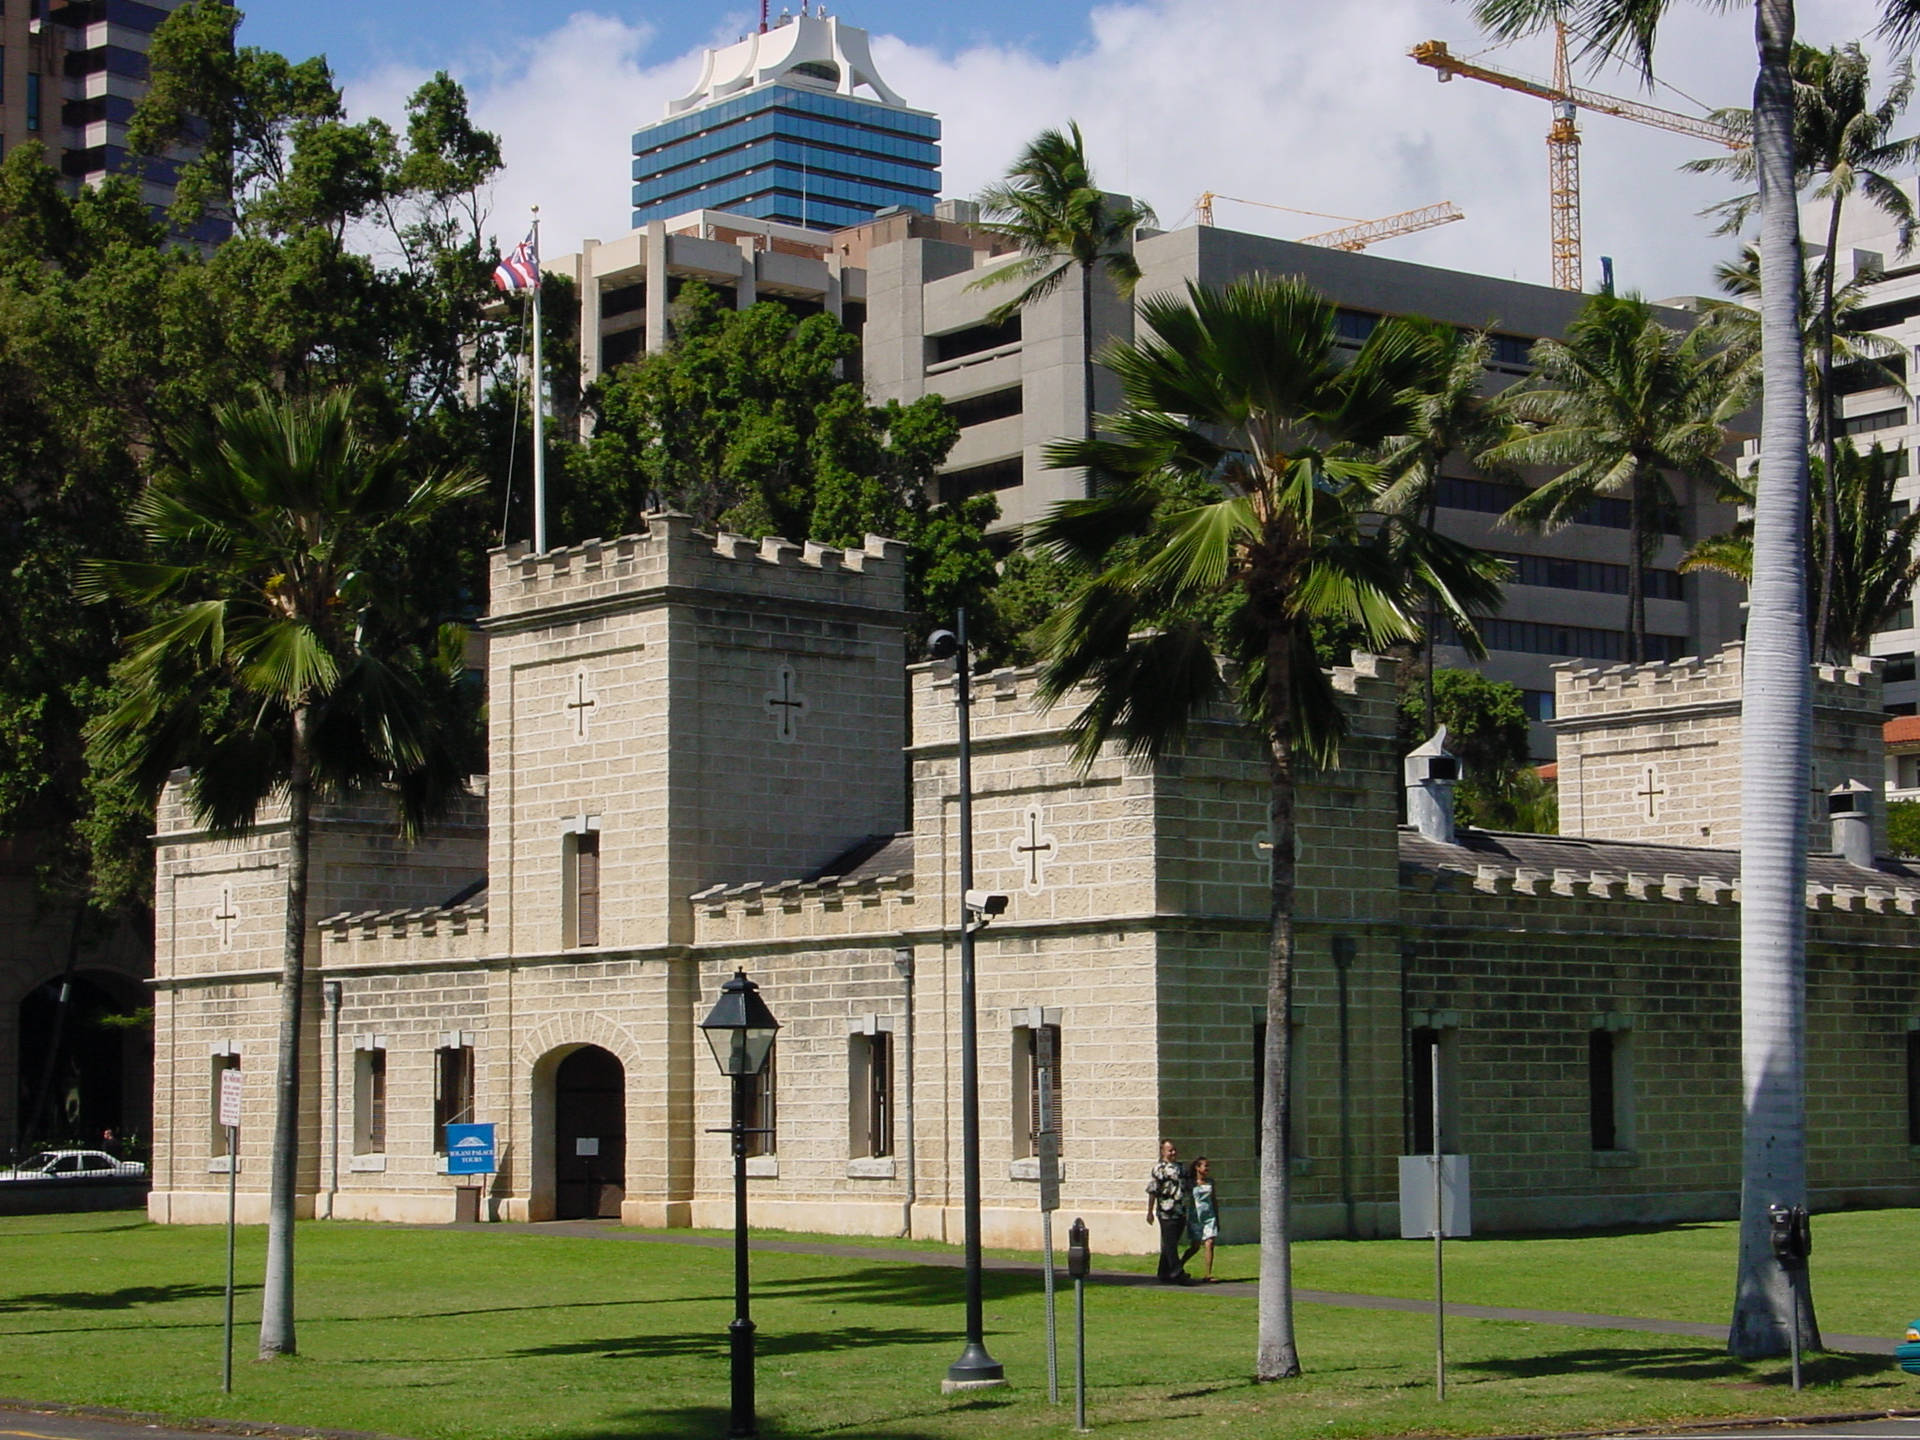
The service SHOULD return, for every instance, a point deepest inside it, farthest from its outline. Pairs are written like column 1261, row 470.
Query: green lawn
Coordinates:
column 429, row 1333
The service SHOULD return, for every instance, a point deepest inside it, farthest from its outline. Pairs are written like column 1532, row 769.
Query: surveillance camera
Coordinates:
column 986, row 902
column 943, row 644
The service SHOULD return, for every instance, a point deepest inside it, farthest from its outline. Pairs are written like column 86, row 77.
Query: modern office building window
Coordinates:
column 33, row 103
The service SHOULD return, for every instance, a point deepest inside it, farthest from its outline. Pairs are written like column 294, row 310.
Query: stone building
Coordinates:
column 708, row 754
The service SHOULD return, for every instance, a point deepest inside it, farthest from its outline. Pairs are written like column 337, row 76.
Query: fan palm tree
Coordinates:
column 1618, row 405
column 1776, row 743
column 1874, row 548
column 1843, row 145
column 1062, row 222
column 1234, row 514
column 274, row 672
column 1449, row 414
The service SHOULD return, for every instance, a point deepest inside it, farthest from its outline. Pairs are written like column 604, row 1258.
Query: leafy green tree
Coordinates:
column 1903, row 827
column 1615, row 407
column 1775, row 743
column 1843, row 146
column 280, row 665
column 1233, row 511
column 1486, row 724
column 1873, row 548
column 1064, row 223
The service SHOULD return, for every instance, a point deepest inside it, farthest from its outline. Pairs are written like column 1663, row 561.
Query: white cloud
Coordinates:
column 1292, row 102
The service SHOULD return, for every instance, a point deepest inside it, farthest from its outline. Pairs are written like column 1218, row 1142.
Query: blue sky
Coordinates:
column 361, row 35
column 1291, row 103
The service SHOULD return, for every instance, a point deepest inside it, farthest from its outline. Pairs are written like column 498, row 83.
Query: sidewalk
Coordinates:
column 613, row 1230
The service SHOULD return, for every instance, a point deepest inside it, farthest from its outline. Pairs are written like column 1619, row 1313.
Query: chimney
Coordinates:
column 1430, row 776
column 1847, row 809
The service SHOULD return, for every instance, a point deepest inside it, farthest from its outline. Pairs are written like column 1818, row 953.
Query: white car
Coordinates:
column 74, row 1165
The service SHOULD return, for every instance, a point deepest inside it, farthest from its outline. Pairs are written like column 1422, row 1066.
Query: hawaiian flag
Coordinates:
column 520, row 270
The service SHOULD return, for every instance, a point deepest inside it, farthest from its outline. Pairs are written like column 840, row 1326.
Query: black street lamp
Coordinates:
column 975, row 1369
column 740, row 1028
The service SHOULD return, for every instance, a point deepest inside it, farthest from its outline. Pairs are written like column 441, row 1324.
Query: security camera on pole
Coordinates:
column 975, row 1369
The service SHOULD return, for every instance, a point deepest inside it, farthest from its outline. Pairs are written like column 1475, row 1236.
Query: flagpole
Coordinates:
column 539, row 407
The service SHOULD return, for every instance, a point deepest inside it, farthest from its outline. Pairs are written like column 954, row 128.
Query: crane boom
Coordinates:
column 1563, row 138
column 1358, row 237
column 1435, row 55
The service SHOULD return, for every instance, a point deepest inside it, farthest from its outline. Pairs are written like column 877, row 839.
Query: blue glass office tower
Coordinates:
column 775, row 130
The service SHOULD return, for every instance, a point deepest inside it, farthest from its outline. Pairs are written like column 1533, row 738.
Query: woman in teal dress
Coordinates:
column 1203, row 1216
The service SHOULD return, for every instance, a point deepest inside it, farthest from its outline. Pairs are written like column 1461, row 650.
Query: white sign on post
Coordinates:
column 1416, row 1197
column 230, row 1098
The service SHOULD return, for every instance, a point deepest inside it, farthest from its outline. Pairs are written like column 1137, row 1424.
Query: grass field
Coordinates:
column 514, row 1333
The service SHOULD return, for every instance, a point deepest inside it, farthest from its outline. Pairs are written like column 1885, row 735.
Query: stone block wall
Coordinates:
column 1652, row 752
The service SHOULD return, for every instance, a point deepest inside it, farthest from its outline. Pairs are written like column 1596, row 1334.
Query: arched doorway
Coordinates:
column 589, row 1135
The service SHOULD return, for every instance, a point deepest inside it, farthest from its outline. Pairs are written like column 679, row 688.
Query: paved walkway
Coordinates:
column 613, row 1230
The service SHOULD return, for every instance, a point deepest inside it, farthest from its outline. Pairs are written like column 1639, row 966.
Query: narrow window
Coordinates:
column 452, row 1091
column 870, row 1094
column 1027, row 1042
column 33, row 103
column 1296, row 1090
column 1600, row 1114
column 369, row 1099
column 1913, row 1087
column 762, row 1116
column 217, row 1145
column 580, row 922
column 1424, row 1041
column 1610, row 1085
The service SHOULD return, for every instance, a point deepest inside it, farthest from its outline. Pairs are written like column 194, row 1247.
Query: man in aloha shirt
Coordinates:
column 1166, row 1202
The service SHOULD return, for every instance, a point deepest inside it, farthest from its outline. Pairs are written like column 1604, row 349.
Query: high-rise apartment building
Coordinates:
column 792, row 124
column 71, row 72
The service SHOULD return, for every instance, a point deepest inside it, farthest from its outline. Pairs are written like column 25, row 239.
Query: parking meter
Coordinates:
column 1790, row 1230
column 1079, row 1260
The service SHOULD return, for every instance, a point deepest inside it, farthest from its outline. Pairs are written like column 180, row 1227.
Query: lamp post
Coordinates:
column 975, row 1369
column 740, row 1028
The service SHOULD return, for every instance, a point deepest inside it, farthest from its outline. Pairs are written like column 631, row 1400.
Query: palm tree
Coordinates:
column 1874, row 550
column 1062, row 221
column 1731, row 330
column 1843, row 145
column 1451, row 414
column 274, row 671
column 1233, row 515
column 1618, row 405
column 1776, row 743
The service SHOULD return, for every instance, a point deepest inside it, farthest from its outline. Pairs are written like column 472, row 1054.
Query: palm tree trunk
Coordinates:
column 1637, row 569
column 276, row 1306
column 1830, row 480
column 1775, row 741
column 1433, row 608
column 1276, row 1357
column 1086, row 366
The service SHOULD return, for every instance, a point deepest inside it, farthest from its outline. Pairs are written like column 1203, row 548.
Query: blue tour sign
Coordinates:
column 470, row 1150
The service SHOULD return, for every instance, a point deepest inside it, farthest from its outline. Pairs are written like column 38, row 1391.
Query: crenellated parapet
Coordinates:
column 670, row 554
column 1652, row 752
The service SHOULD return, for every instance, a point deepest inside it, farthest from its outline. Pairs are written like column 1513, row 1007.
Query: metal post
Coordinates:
column 1053, row 1353
column 740, row 1332
column 233, row 1176
column 1439, row 1231
column 975, row 1369
column 1793, row 1283
column 1080, row 1354
column 539, row 405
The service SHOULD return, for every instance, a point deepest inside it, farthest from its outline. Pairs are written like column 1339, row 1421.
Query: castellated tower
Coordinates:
column 1652, row 752
column 672, row 711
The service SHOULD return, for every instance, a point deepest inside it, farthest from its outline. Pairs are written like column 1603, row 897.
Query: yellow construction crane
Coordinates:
column 1563, row 138
column 1356, row 234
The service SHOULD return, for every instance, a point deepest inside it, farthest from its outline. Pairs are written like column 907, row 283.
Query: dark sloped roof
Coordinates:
column 1507, row 852
column 872, row 858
